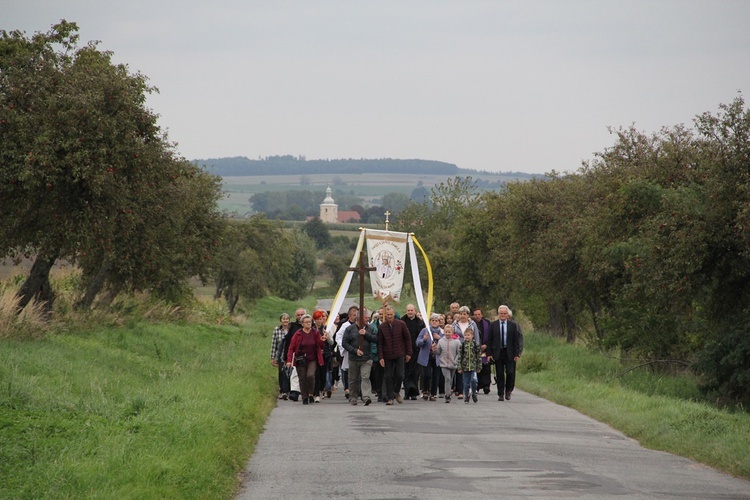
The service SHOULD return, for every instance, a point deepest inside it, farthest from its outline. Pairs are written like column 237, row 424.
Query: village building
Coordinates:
column 328, row 209
column 349, row 216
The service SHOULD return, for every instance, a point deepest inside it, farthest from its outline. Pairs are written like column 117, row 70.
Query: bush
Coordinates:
column 725, row 366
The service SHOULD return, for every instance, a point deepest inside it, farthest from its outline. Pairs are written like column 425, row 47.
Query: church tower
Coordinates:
column 329, row 211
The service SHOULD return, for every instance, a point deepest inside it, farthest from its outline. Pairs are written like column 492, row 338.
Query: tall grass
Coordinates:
column 661, row 411
column 30, row 321
column 33, row 322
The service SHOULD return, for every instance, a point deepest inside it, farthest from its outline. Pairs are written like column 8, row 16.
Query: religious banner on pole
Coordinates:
column 386, row 256
column 386, row 251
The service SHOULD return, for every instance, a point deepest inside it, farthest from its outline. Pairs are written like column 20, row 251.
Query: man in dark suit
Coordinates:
column 505, row 346
column 485, row 376
column 412, row 370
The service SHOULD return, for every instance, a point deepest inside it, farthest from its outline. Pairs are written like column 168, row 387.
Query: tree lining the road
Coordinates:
column 88, row 176
column 645, row 249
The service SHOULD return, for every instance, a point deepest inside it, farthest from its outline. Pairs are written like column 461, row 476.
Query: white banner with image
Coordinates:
column 386, row 252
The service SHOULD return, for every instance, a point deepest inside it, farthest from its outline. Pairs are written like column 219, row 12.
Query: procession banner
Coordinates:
column 386, row 251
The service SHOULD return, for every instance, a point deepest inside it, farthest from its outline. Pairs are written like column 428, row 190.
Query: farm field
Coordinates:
column 371, row 186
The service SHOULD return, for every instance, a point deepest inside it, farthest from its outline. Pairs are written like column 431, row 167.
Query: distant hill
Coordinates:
column 298, row 165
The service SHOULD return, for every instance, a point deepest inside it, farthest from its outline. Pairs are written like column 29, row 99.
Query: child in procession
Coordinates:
column 469, row 362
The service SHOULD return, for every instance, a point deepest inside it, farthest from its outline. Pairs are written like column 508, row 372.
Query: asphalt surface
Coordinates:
column 524, row 448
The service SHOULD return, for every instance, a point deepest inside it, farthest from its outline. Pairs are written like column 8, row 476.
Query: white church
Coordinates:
column 329, row 211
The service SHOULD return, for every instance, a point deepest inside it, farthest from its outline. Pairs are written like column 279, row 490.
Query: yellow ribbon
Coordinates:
column 429, row 278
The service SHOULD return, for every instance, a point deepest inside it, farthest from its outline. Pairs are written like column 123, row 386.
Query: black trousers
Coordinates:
column 376, row 378
column 430, row 377
column 411, row 377
column 505, row 373
column 321, row 375
column 485, row 378
column 284, row 384
column 393, row 377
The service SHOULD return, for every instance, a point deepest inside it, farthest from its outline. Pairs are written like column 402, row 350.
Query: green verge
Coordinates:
column 175, row 410
column 661, row 412
column 142, row 411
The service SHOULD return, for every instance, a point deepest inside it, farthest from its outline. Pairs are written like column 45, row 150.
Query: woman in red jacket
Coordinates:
column 306, row 354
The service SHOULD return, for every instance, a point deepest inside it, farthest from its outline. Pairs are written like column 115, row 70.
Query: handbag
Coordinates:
column 299, row 360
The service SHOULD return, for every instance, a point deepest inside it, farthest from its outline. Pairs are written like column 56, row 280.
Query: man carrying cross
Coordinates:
column 357, row 340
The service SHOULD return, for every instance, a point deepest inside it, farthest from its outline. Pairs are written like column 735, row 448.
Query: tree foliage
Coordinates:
column 395, row 202
column 288, row 205
column 300, row 204
column 88, row 176
column 318, row 232
column 257, row 257
column 436, row 222
column 645, row 248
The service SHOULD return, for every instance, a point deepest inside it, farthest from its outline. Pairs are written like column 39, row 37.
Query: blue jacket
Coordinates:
column 425, row 346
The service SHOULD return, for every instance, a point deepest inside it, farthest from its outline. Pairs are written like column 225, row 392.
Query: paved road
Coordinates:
column 524, row 448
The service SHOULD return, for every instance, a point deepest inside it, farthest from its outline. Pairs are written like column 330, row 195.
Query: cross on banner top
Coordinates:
column 361, row 269
column 387, row 213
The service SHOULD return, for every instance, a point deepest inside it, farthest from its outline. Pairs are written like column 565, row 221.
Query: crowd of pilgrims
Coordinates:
column 390, row 357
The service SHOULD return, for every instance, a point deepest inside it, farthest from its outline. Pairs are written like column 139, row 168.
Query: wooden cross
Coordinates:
column 361, row 269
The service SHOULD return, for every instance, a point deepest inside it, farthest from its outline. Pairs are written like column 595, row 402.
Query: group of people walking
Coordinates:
column 393, row 358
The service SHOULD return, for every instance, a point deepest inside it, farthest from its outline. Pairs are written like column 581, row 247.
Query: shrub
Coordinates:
column 725, row 366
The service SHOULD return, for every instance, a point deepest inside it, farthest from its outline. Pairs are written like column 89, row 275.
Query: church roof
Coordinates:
column 329, row 198
column 348, row 215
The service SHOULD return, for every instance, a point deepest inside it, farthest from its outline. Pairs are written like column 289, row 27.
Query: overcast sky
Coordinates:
column 526, row 86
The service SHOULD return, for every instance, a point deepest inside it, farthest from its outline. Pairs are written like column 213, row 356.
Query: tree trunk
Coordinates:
column 109, row 297
column 219, row 286
column 94, row 286
column 556, row 327
column 37, row 285
column 233, row 303
column 595, row 310
column 571, row 327
column 231, row 298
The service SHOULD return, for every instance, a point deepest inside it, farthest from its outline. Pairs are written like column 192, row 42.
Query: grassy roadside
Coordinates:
column 661, row 412
column 141, row 411
column 175, row 410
